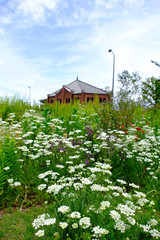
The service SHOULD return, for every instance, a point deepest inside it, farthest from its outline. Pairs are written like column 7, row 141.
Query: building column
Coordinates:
column 47, row 98
column 63, row 94
column 82, row 96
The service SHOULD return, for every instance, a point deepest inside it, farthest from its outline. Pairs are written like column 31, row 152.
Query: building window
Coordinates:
column 88, row 99
column 100, row 99
column 91, row 99
column 67, row 100
column 104, row 99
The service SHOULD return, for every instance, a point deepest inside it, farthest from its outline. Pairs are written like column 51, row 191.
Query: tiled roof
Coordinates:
column 78, row 86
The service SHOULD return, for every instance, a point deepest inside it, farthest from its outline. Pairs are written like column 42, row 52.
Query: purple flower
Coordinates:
column 86, row 162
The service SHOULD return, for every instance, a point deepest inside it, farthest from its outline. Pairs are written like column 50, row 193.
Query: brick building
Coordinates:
column 79, row 90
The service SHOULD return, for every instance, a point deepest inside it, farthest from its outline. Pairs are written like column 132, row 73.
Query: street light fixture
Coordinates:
column 110, row 50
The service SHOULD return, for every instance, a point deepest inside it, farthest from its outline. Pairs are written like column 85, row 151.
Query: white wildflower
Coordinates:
column 104, row 205
column 75, row 215
column 63, row 209
column 39, row 221
column 63, row 225
column 86, row 181
column 48, row 162
column 146, row 228
column 40, row 233
column 59, row 166
column 10, row 180
column 121, row 226
column 16, row 184
column 131, row 220
column 133, row 185
column 85, row 222
column 6, row 168
column 42, row 186
column 155, row 233
column 78, row 186
column 75, row 225
column 54, row 188
column 152, row 222
column 115, row 215
column 50, row 221
column 121, row 181
column 98, row 230
column 97, row 187
column 142, row 201
column 125, row 210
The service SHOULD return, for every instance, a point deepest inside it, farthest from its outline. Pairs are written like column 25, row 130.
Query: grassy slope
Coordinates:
column 16, row 224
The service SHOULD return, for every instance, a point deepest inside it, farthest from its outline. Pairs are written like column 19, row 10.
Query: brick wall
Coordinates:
column 65, row 96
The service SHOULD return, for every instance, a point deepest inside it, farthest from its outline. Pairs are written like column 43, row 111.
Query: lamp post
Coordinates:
column 110, row 50
column 29, row 94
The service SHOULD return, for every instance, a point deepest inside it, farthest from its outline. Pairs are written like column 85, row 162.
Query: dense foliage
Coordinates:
column 151, row 91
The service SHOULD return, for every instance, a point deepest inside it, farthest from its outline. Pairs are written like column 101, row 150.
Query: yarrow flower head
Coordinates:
column 85, row 222
column 104, row 205
column 6, row 168
column 75, row 225
column 115, row 215
column 63, row 225
column 63, row 209
column 99, row 231
column 75, row 215
column 40, row 233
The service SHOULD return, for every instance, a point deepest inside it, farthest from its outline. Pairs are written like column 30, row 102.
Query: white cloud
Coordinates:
column 2, row 31
column 17, row 73
column 113, row 3
column 1, row 61
column 69, row 60
column 37, row 9
column 5, row 19
column 134, row 2
column 107, row 4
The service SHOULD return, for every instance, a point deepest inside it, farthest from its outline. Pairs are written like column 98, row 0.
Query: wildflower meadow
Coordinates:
column 91, row 182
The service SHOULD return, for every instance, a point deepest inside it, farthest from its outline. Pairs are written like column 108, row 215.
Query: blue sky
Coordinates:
column 45, row 44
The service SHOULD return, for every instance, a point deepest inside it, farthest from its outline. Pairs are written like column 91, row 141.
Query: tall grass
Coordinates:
column 12, row 105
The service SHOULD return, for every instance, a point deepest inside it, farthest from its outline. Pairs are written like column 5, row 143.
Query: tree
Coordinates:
column 129, row 85
column 107, row 89
column 151, row 91
column 156, row 63
column 121, row 110
column 127, row 98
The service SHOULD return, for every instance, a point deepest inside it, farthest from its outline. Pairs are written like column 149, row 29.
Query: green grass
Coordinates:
column 16, row 224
